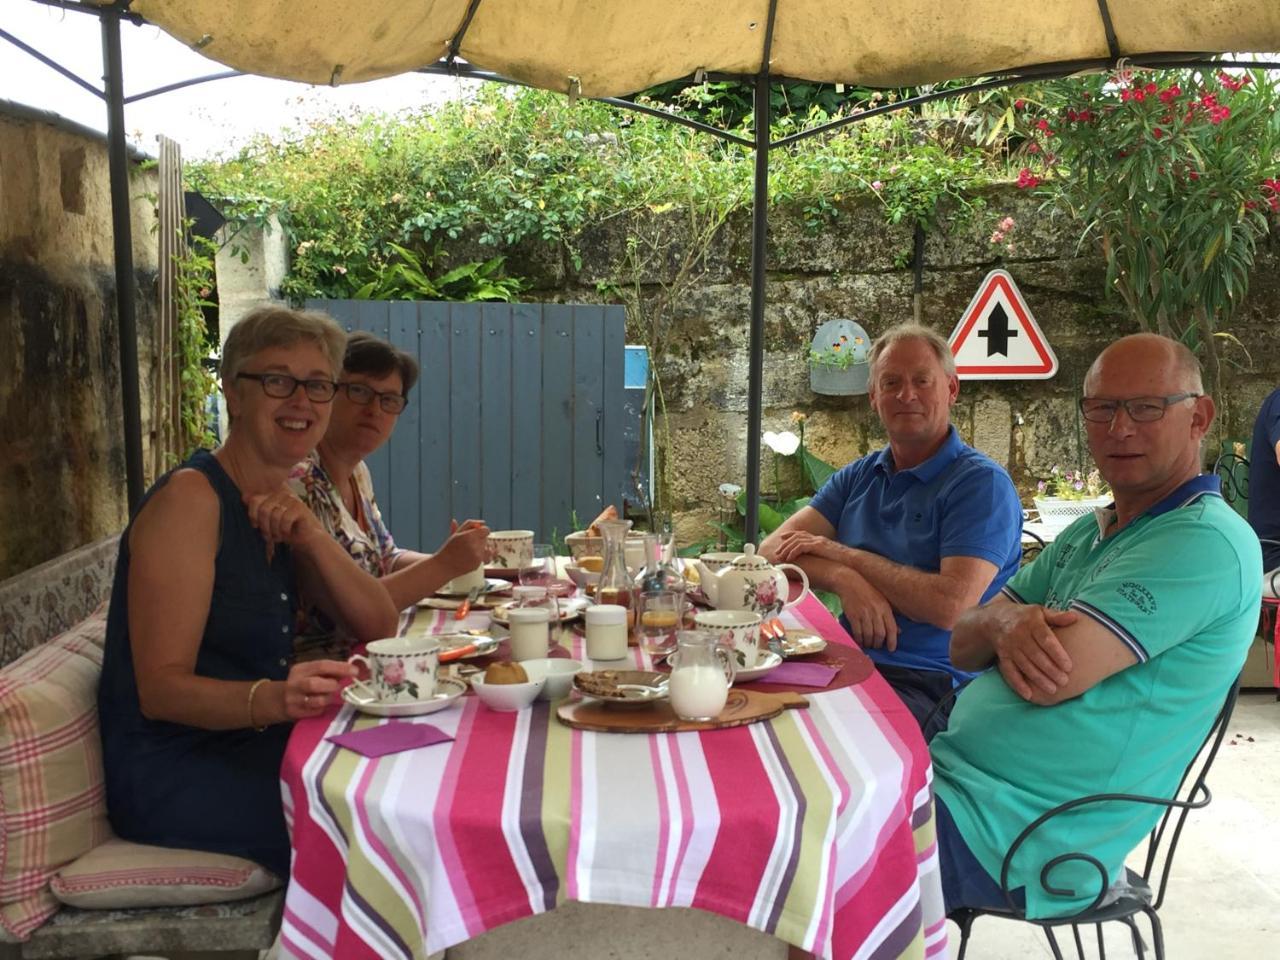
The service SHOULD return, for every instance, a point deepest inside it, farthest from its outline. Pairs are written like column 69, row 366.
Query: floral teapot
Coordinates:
column 749, row 582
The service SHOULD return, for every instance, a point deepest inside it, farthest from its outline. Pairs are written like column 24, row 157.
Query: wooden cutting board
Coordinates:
column 742, row 707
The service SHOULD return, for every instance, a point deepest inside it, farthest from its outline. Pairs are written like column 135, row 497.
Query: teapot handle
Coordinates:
column 804, row 581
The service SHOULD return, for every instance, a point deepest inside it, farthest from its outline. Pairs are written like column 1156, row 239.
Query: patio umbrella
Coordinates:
column 606, row 48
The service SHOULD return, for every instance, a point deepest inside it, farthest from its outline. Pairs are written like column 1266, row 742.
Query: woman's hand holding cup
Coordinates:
column 465, row 549
column 311, row 685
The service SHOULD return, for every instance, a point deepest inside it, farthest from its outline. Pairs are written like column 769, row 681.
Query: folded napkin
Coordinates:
column 801, row 675
column 390, row 738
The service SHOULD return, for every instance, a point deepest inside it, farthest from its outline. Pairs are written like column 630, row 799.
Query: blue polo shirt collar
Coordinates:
column 1204, row 485
column 925, row 472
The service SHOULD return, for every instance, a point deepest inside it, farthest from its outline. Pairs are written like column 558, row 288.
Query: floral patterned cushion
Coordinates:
column 48, row 599
column 121, row 875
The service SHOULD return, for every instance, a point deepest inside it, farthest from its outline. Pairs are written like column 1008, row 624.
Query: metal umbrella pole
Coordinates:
column 122, row 234
column 759, row 257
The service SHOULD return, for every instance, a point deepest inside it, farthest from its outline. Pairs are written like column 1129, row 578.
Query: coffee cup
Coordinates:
column 466, row 582
column 530, row 632
column 509, row 549
column 401, row 669
column 738, row 630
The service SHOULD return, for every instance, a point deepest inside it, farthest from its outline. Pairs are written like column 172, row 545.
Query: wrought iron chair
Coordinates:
column 1142, row 892
column 1031, row 550
column 1233, row 470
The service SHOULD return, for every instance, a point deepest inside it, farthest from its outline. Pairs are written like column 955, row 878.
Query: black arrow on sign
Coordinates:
column 998, row 332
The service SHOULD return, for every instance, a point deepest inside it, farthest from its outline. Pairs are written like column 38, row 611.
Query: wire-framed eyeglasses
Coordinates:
column 1139, row 409
column 281, row 385
column 390, row 401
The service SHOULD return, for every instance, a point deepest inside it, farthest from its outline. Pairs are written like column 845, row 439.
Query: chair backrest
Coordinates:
column 1233, row 470
column 1031, row 550
column 1192, row 794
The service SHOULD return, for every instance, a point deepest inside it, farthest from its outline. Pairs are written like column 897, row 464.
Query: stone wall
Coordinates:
column 851, row 268
column 62, row 474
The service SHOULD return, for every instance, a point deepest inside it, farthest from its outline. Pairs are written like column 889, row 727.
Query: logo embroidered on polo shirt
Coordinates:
column 1138, row 595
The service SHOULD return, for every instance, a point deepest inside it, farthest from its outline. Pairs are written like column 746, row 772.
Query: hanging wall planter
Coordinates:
column 838, row 359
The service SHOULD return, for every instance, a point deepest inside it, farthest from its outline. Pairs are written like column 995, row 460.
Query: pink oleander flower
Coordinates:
column 1027, row 179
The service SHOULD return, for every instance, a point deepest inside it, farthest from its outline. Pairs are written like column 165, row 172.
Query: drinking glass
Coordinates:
column 540, row 570
column 660, row 612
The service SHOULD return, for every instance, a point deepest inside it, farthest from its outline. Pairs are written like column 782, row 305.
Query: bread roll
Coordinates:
column 500, row 673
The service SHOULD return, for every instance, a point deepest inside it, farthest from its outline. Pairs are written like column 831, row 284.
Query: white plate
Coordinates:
column 485, row 644
column 570, row 608
column 768, row 661
column 491, row 585
column 447, row 691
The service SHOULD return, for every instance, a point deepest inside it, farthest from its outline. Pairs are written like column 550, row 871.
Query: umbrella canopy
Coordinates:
column 612, row 48
column 607, row 48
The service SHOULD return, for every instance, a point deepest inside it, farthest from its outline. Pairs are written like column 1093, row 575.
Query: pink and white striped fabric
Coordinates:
column 816, row 827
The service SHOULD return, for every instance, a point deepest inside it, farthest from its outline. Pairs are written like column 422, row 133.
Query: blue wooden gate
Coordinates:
column 517, row 417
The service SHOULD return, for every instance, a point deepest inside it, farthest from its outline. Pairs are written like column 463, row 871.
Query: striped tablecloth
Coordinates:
column 815, row 827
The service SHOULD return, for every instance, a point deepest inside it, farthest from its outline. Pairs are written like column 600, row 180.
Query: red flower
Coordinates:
column 1218, row 114
column 1170, row 93
column 1157, row 133
column 1026, row 179
column 1019, row 104
column 1208, row 100
column 1151, row 89
column 1251, row 204
column 1033, row 148
column 1271, row 185
column 1231, row 83
column 1193, row 174
column 1043, row 127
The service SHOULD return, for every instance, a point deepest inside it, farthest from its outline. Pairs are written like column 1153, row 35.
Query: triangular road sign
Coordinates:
column 997, row 338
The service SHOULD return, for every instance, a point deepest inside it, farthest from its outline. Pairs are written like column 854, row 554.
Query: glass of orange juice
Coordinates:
column 659, row 620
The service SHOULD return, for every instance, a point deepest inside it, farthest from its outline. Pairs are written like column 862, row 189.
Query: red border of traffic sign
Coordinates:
column 976, row 308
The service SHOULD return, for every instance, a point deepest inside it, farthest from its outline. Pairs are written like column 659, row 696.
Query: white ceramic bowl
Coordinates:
column 557, row 673
column 583, row 544
column 507, row 696
column 582, row 578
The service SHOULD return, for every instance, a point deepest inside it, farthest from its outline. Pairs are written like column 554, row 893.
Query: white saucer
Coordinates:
column 491, row 585
column 570, row 608
column 768, row 661
column 447, row 691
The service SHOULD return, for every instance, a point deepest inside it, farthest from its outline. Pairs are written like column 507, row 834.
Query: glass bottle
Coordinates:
column 662, row 589
column 615, row 585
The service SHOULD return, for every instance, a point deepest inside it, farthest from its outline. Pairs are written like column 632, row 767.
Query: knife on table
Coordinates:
column 462, row 611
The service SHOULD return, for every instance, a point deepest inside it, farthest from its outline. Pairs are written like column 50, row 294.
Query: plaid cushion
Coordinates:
column 52, row 802
column 121, row 875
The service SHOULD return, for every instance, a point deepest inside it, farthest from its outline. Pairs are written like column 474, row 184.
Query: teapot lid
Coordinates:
column 750, row 560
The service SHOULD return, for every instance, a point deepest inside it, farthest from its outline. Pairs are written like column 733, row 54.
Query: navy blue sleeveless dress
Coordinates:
column 178, row 786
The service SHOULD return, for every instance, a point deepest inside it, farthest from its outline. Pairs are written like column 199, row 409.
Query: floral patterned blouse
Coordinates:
column 374, row 549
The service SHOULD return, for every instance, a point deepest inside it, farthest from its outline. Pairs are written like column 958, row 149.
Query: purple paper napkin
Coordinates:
column 390, row 738
column 801, row 675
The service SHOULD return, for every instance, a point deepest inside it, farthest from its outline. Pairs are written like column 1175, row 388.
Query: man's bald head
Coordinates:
column 1144, row 356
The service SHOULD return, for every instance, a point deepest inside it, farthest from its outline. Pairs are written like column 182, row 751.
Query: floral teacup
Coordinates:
column 510, row 549
column 401, row 669
column 737, row 630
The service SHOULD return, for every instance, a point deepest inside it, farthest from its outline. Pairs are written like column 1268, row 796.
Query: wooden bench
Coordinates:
column 55, row 842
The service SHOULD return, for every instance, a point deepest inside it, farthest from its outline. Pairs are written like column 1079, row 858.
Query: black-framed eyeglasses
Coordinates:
column 1139, row 409
column 390, row 402
column 281, row 385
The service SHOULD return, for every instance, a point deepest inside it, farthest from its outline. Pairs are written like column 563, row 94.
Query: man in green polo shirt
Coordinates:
column 1113, row 651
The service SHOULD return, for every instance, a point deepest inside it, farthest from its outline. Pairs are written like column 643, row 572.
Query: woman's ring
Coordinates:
column 306, row 701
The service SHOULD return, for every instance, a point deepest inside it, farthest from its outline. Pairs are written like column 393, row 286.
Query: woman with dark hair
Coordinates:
column 335, row 483
column 199, row 686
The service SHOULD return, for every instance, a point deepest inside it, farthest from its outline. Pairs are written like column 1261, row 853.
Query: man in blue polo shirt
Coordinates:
column 913, row 535
column 1114, row 651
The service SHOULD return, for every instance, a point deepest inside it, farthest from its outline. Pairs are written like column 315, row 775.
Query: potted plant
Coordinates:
column 1070, row 494
column 838, row 359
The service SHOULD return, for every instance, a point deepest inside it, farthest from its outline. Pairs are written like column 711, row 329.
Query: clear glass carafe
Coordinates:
column 615, row 585
column 660, row 592
column 701, row 673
